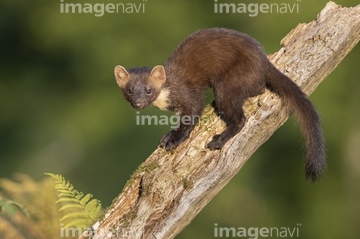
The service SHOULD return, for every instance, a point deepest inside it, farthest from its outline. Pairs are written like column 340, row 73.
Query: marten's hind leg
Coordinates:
column 229, row 108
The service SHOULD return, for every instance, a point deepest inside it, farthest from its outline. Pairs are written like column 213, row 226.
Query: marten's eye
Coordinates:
column 130, row 91
column 148, row 91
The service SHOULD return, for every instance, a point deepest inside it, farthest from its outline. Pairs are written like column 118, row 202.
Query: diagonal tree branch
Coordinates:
column 170, row 188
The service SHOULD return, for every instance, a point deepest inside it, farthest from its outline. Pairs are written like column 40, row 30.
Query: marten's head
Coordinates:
column 143, row 86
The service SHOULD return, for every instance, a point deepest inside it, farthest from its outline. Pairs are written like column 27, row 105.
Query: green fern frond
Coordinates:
column 70, row 206
column 82, row 209
column 10, row 206
column 7, row 206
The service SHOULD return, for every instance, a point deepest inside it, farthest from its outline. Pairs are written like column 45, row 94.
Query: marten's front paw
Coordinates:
column 171, row 140
column 216, row 143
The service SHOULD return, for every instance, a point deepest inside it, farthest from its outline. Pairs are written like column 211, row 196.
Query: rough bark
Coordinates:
column 170, row 188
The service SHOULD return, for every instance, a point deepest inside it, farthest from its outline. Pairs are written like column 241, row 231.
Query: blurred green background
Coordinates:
column 62, row 112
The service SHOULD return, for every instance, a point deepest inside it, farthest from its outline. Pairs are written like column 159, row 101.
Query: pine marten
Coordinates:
column 235, row 66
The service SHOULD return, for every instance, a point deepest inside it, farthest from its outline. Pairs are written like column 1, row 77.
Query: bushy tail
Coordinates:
column 297, row 101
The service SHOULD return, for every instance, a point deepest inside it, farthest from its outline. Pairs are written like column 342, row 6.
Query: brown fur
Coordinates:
column 236, row 67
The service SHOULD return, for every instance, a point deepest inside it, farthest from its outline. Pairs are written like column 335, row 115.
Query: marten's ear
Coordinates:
column 121, row 75
column 158, row 75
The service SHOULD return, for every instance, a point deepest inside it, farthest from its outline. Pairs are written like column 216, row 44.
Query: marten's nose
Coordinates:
column 139, row 104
